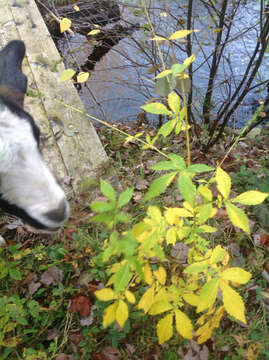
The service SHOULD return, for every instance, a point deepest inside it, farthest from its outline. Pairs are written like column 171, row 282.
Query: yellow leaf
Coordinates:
column 181, row 34
column 182, row 113
column 205, row 192
column 172, row 215
column 254, row 351
column 232, row 302
column 110, row 314
column 154, row 213
column 174, row 102
column 171, row 236
column 163, row 74
column 223, row 182
column 158, row 38
column 148, row 274
column 122, row 313
column 208, row 295
column 11, row 342
column 82, row 77
column 65, row 24
column 207, row 228
column 189, row 60
column 105, row 294
column 129, row 296
column 236, row 274
column 217, row 30
column 191, row 299
column 160, row 307
column 160, row 275
column 237, row 217
column 217, row 254
column 146, row 300
column 204, row 333
column 93, row 32
column 183, row 324
column 215, row 321
column 76, row 8
column 161, row 295
column 163, row 14
column 165, row 328
column 251, row 198
column 67, row 75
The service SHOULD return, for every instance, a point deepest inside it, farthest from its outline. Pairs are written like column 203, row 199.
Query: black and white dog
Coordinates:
column 27, row 187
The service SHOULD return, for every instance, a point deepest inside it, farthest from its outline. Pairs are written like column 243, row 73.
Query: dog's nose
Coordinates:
column 59, row 214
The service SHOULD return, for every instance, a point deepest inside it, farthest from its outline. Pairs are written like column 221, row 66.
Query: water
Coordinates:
column 121, row 82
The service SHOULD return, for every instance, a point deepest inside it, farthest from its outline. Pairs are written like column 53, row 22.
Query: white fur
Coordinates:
column 25, row 180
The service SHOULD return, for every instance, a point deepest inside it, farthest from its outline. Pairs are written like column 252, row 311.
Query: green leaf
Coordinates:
column 205, row 213
column 208, row 295
column 237, row 216
column 122, row 277
column 67, row 75
column 122, row 218
column 108, row 191
column 233, row 302
column 186, row 188
column 178, row 68
column 165, row 165
column 178, row 160
column 251, row 198
column 125, row 197
column 102, row 206
column 199, row 168
column 159, row 185
column 156, row 108
column 196, row 268
column 236, row 274
column 15, row 274
column 223, row 182
column 167, row 128
column 104, row 218
column 165, row 85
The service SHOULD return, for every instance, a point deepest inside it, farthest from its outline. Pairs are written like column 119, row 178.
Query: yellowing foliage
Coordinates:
column 65, row 24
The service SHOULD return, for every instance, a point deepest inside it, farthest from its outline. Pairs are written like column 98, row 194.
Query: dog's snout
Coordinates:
column 59, row 214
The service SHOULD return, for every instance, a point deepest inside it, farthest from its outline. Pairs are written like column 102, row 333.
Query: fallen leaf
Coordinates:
column 180, row 252
column 141, row 184
column 130, row 349
column 63, row 356
column 87, row 321
column 33, row 287
column 137, row 196
column 76, row 337
column 53, row 275
column 81, row 304
column 52, row 334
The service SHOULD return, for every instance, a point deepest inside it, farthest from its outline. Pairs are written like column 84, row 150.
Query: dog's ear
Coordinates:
column 12, row 80
column 13, row 95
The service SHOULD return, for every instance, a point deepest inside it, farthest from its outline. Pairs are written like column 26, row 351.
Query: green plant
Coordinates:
column 167, row 290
